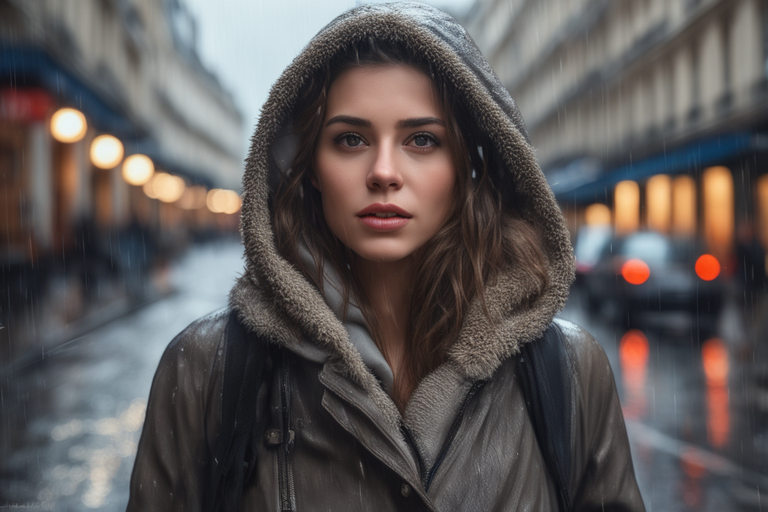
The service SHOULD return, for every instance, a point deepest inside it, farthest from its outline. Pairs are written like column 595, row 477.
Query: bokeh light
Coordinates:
column 714, row 358
column 68, row 125
column 635, row 271
column 106, row 151
column 223, row 201
column 138, row 169
column 168, row 188
column 707, row 267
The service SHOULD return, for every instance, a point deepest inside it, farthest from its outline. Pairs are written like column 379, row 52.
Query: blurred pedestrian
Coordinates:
column 402, row 247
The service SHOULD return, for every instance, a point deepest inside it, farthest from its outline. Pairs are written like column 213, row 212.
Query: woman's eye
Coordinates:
column 351, row 141
column 424, row 141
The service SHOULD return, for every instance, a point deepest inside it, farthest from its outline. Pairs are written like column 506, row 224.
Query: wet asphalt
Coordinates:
column 696, row 403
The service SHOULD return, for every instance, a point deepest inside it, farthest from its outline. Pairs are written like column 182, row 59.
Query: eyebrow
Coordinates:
column 405, row 123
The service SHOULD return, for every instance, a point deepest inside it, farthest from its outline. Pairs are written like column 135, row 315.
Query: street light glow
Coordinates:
column 138, row 169
column 68, row 125
column 223, row 201
column 168, row 188
column 106, row 151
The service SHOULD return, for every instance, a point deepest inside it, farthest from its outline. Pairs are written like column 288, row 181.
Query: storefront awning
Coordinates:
column 697, row 155
column 22, row 67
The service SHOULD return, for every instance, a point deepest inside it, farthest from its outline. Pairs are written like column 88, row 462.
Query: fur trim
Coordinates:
column 275, row 299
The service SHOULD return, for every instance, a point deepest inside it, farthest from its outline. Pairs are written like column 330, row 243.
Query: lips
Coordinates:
column 390, row 223
column 383, row 208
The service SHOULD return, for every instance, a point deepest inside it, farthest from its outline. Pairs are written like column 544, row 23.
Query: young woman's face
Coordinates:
column 384, row 148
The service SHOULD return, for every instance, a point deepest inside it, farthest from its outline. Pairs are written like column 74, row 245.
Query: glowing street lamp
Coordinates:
column 223, row 201
column 168, row 188
column 138, row 169
column 68, row 125
column 106, row 151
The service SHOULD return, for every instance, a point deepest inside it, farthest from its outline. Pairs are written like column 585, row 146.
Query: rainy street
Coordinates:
column 695, row 411
column 71, row 420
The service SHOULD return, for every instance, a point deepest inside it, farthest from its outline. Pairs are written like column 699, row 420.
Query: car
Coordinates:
column 590, row 243
column 647, row 274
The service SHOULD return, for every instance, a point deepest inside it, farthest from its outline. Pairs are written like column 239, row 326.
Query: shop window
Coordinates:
column 658, row 202
column 718, row 210
column 684, row 206
column 597, row 215
column 627, row 207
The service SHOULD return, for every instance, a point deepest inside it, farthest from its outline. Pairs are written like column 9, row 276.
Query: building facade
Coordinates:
column 127, row 69
column 650, row 114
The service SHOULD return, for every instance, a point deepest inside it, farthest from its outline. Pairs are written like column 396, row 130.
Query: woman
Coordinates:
column 402, row 245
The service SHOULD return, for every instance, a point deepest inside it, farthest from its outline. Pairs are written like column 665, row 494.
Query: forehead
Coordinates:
column 396, row 89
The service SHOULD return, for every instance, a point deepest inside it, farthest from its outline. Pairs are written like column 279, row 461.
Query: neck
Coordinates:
column 387, row 287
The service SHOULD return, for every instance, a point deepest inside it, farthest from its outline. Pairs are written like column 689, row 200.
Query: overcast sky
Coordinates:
column 248, row 43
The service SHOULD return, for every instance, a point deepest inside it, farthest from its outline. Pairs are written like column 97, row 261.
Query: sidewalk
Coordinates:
column 71, row 421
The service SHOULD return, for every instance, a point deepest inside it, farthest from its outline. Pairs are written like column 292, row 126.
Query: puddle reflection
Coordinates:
column 633, row 357
column 96, row 467
column 714, row 359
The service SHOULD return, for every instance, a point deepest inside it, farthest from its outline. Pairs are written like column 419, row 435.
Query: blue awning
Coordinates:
column 703, row 153
column 22, row 66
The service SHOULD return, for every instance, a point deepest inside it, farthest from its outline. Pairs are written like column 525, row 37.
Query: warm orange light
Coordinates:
column 597, row 215
column 635, row 271
column 68, row 125
column 658, row 197
column 684, row 206
column 633, row 356
column 138, row 169
column 714, row 358
column 633, row 349
column 626, row 204
column 707, row 267
column 106, row 151
column 223, row 201
column 718, row 210
column 168, row 188
column 149, row 188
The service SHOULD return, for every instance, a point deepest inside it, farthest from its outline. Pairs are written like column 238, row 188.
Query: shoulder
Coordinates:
column 203, row 336
column 582, row 347
column 589, row 366
column 589, row 363
column 193, row 355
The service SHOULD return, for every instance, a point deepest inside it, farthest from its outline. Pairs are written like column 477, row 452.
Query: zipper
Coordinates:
column 451, row 434
column 411, row 441
column 284, row 460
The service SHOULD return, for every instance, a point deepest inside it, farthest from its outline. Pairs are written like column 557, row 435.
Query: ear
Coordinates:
column 315, row 183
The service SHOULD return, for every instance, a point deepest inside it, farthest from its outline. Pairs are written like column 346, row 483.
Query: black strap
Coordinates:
column 546, row 382
column 241, row 427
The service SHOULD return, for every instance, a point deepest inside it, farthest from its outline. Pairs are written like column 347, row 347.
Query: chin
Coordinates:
column 384, row 253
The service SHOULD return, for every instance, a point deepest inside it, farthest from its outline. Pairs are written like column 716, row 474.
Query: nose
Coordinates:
column 383, row 173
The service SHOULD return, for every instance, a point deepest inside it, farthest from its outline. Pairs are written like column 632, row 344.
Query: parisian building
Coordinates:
column 646, row 114
column 72, row 225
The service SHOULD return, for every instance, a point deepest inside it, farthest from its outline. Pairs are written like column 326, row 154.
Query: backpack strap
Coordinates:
column 545, row 377
column 234, row 460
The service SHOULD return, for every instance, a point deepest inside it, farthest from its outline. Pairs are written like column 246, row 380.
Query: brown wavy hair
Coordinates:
column 480, row 238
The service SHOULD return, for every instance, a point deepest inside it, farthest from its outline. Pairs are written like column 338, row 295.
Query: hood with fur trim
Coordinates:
column 276, row 300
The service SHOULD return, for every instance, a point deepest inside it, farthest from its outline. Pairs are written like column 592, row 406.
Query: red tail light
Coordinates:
column 707, row 267
column 635, row 271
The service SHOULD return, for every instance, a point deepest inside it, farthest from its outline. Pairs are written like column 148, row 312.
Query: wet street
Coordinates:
column 696, row 403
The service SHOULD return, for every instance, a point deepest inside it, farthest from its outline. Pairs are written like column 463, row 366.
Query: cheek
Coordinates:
column 439, row 191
